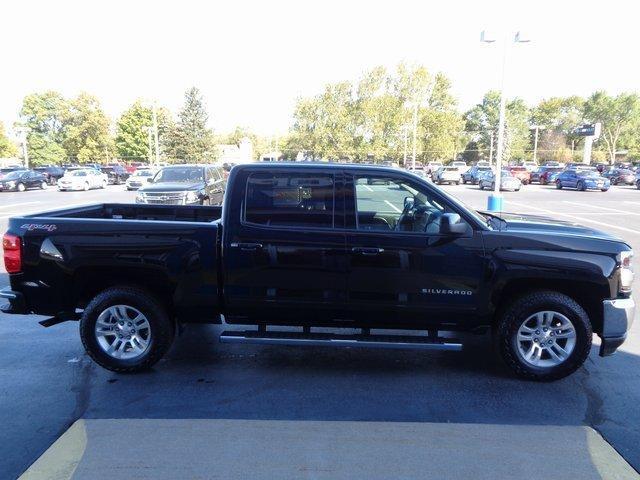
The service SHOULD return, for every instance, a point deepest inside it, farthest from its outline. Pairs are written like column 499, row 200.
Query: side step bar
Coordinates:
column 414, row 342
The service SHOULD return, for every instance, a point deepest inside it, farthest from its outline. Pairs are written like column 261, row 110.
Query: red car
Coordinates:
column 522, row 174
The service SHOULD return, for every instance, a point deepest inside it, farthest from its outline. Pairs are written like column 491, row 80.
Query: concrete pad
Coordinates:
column 265, row 449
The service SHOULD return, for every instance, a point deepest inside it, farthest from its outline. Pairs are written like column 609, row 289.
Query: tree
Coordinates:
column 45, row 115
column 620, row 118
column 482, row 121
column 190, row 139
column 86, row 130
column 132, row 131
column 7, row 147
column 559, row 116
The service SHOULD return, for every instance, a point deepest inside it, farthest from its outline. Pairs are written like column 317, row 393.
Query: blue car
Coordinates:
column 582, row 180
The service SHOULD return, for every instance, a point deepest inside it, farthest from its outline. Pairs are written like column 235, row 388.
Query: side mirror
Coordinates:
column 408, row 203
column 452, row 224
column 149, row 179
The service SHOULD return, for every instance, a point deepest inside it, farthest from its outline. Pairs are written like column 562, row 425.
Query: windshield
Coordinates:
column 143, row 173
column 14, row 174
column 77, row 173
column 506, row 173
column 179, row 174
column 588, row 173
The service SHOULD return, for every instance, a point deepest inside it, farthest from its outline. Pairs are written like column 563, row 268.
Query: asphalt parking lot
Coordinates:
column 387, row 414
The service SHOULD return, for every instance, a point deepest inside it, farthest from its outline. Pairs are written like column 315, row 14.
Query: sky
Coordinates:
column 252, row 59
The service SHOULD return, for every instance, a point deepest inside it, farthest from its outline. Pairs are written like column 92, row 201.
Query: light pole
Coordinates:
column 416, row 105
column 491, row 132
column 495, row 199
column 22, row 135
column 155, row 133
column 405, row 128
column 535, row 140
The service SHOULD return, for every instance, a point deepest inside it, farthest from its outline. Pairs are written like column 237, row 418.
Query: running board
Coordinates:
column 413, row 342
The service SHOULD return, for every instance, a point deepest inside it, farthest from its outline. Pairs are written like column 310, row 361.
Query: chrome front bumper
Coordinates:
column 618, row 317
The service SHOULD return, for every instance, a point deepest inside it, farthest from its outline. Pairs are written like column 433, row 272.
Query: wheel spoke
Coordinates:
column 109, row 333
column 549, row 327
column 548, row 318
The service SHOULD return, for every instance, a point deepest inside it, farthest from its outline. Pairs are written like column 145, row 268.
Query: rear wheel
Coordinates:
column 86, row 186
column 21, row 187
column 543, row 181
column 44, row 185
column 103, row 184
column 126, row 329
column 558, row 185
column 580, row 186
column 480, row 185
column 544, row 336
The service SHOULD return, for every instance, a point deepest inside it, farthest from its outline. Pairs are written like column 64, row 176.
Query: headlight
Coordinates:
column 11, row 184
column 626, row 271
column 192, row 197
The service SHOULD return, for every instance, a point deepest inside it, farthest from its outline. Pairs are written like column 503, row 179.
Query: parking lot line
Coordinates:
column 18, row 204
column 393, row 206
column 571, row 216
column 580, row 204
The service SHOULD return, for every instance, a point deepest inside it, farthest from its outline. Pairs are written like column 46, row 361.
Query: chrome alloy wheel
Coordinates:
column 546, row 339
column 123, row 332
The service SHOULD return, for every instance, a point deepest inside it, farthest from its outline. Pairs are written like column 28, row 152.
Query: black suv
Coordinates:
column 20, row 180
column 116, row 174
column 185, row 185
column 51, row 172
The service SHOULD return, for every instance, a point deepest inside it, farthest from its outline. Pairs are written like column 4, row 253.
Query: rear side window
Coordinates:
column 290, row 199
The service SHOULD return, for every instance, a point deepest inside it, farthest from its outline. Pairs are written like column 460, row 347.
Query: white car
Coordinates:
column 460, row 165
column 449, row 174
column 82, row 179
column 140, row 178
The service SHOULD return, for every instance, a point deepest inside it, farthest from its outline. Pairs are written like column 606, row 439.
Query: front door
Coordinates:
column 402, row 271
column 285, row 247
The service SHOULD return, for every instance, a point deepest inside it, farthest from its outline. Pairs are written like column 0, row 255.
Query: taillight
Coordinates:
column 12, row 246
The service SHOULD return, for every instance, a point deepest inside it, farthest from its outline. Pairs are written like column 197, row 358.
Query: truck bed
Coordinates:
column 120, row 211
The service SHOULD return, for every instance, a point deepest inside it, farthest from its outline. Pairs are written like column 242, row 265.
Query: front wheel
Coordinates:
column 580, row 186
column 544, row 336
column 480, row 185
column 86, row 186
column 103, row 184
column 126, row 329
column 44, row 185
column 558, row 185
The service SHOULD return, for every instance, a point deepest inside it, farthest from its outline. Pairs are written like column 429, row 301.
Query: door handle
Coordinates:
column 246, row 245
column 367, row 250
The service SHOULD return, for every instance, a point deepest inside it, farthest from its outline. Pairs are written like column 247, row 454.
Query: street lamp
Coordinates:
column 495, row 199
column 535, row 140
column 22, row 132
column 416, row 105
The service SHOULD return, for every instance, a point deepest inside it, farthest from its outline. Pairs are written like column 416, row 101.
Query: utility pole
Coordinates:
column 150, row 144
column 22, row 135
column 535, row 140
column 415, row 134
column 495, row 199
column 155, row 134
column 491, row 148
column 406, row 132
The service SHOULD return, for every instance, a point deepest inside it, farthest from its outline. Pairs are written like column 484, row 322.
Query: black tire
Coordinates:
column 580, row 186
column 638, row 184
column 558, row 185
column 161, row 326
column 43, row 185
column 480, row 186
column 464, row 181
column 20, row 187
column 511, row 317
column 543, row 181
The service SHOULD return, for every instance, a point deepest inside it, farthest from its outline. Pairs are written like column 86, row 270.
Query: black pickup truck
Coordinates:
column 322, row 254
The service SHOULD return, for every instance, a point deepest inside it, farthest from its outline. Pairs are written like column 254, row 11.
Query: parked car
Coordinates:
column 447, row 174
column 116, row 174
column 530, row 165
column 543, row 174
column 620, row 176
column 420, row 171
column 460, row 165
column 522, row 174
column 432, row 167
column 582, row 180
column 185, row 185
column 82, row 179
column 52, row 173
column 483, row 163
column 132, row 167
column 507, row 181
column 472, row 175
column 140, row 178
column 276, row 255
column 6, row 170
column 638, row 180
column 21, row 180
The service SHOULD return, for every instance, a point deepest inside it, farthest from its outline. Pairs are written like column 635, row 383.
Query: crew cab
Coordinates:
column 323, row 254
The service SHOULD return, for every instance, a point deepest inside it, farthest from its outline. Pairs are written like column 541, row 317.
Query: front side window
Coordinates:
column 391, row 204
column 290, row 199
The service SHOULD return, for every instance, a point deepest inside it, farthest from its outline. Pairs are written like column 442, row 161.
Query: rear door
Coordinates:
column 284, row 247
column 402, row 272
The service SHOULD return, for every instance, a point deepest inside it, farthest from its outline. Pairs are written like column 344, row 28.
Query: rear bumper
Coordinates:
column 16, row 303
column 618, row 317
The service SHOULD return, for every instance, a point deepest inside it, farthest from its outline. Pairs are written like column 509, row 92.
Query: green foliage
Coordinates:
column 190, row 139
column 620, row 118
column 86, row 129
column 368, row 120
column 45, row 115
column 132, row 131
column 7, row 147
column 482, row 122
